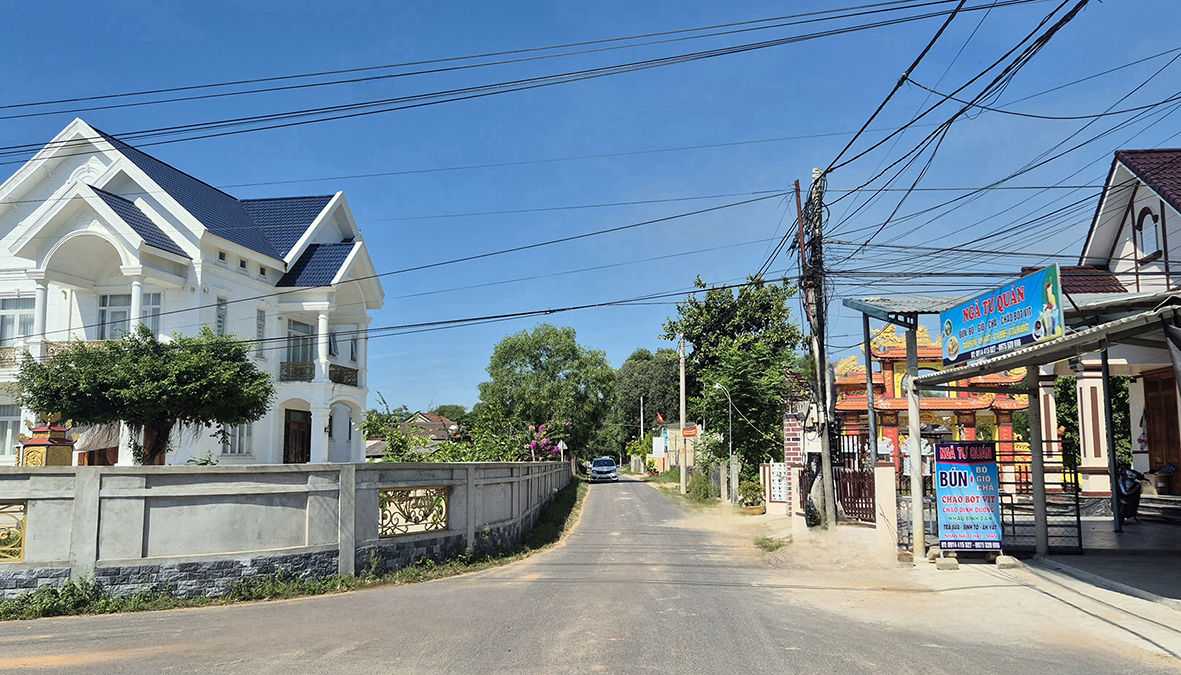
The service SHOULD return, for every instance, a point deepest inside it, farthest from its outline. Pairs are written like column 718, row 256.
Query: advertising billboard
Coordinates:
column 1026, row 311
column 967, row 496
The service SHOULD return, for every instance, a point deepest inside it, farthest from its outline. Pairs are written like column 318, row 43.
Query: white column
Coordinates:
column 137, row 302
column 36, row 343
column 363, row 358
column 917, row 521
column 319, row 450
column 322, row 347
column 42, row 308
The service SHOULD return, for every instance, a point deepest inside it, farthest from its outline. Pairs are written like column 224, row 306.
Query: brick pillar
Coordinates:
column 793, row 441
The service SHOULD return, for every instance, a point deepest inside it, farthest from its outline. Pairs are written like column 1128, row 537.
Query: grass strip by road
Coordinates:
column 771, row 544
column 84, row 596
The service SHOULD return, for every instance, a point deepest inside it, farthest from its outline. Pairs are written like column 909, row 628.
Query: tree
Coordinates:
column 153, row 387
column 655, row 377
column 723, row 319
column 451, row 411
column 1066, row 406
column 747, row 341
column 757, row 382
column 379, row 421
column 543, row 376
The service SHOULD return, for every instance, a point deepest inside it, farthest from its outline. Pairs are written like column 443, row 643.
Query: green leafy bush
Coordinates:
column 751, row 492
column 700, row 489
column 673, row 475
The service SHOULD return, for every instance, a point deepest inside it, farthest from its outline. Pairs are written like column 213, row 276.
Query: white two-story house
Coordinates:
column 96, row 236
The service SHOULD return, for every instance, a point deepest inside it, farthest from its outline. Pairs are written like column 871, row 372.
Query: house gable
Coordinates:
column 1136, row 231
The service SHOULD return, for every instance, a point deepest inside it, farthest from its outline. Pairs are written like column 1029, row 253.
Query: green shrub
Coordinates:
column 673, row 475
column 770, row 544
column 751, row 492
column 700, row 488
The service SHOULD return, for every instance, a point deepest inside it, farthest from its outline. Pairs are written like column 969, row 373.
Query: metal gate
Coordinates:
column 1064, row 518
column 1016, row 505
column 930, row 519
column 855, row 490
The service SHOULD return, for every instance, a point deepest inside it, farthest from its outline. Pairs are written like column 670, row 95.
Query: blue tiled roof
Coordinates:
column 284, row 220
column 140, row 222
column 222, row 214
column 318, row 265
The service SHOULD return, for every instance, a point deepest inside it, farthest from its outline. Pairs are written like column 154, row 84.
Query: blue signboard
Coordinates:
column 967, row 497
column 1026, row 311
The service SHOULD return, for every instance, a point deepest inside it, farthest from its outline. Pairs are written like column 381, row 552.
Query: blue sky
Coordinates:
column 822, row 87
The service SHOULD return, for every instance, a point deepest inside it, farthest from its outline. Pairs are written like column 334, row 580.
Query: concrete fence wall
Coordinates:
column 196, row 530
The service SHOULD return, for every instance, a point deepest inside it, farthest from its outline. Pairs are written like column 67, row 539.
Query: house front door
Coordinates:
column 1160, row 417
column 297, row 437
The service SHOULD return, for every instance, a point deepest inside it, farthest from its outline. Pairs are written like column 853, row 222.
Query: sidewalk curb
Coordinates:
column 1103, row 582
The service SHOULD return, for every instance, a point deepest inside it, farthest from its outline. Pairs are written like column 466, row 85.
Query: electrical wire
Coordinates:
column 292, row 118
column 479, row 256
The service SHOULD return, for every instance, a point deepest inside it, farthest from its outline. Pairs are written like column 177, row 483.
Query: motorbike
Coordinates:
column 1128, row 489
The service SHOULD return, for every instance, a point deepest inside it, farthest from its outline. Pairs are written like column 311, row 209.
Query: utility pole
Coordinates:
column 641, row 436
column 684, row 471
column 812, row 282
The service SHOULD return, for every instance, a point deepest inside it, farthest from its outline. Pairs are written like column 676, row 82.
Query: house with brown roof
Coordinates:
column 1128, row 263
column 436, row 427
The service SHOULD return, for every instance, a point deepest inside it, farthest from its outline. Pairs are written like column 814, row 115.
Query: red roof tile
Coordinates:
column 1083, row 279
column 1159, row 169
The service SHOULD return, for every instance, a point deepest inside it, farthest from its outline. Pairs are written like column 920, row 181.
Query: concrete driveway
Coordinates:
column 639, row 586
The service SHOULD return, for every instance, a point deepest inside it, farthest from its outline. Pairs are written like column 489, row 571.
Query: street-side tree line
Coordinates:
column 544, row 387
column 545, row 390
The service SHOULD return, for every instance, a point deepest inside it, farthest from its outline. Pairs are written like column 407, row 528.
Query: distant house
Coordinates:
column 97, row 237
column 437, row 427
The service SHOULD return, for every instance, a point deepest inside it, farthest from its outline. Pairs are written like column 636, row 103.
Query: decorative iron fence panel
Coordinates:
column 413, row 510
column 342, row 375
column 297, row 371
column 12, row 531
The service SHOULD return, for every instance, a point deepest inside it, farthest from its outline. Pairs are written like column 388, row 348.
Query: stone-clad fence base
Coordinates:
column 198, row 530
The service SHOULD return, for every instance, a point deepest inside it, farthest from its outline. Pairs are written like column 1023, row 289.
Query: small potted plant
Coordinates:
column 751, row 493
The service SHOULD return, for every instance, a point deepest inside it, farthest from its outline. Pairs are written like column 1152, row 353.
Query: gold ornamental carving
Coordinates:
column 889, row 336
column 849, row 366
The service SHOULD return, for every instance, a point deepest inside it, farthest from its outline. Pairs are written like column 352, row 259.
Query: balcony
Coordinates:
column 54, row 348
column 305, row 371
column 297, row 371
column 342, row 375
column 10, row 357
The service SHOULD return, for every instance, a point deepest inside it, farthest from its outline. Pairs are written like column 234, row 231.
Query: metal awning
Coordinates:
column 1135, row 327
column 882, row 308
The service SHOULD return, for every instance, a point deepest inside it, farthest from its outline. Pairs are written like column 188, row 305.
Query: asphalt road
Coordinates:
column 635, row 588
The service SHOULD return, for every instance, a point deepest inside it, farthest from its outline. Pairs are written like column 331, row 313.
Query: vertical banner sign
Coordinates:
column 966, row 496
column 1026, row 311
column 657, row 446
